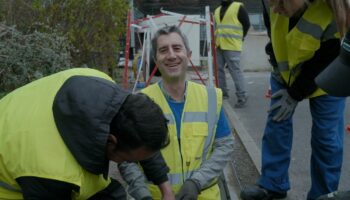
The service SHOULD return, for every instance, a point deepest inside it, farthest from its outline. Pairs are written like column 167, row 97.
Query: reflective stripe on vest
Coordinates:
column 212, row 119
column 9, row 187
column 221, row 35
column 306, row 27
column 293, row 47
column 283, row 66
column 227, row 26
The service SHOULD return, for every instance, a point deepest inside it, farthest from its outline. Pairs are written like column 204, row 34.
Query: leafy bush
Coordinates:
column 93, row 27
column 30, row 49
column 27, row 57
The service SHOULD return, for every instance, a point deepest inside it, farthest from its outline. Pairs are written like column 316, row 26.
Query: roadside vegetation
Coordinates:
column 41, row 37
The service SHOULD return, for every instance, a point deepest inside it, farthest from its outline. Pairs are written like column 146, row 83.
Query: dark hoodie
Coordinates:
column 83, row 110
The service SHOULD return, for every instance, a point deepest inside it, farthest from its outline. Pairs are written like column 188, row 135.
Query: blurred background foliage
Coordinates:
column 40, row 37
column 27, row 57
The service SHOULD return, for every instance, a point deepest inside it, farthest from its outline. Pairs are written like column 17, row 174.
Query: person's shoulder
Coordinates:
column 202, row 87
column 150, row 88
column 194, row 84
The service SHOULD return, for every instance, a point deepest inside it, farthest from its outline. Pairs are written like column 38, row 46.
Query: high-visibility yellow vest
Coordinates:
column 30, row 143
column 228, row 31
column 199, row 118
column 292, row 48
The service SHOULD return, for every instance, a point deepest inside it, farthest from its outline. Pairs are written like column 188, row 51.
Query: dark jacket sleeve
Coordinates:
column 155, row 169
column 34, row 188
column 266, row 18
column 114, row 191
column 268, row 47
column 304, row 85
column 243, row 18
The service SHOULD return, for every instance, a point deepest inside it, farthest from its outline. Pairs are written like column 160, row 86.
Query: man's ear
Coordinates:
column 112, row 139
column 189, row 54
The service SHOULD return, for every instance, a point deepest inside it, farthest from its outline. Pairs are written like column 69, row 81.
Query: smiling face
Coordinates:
column 287, row 8
column 172, row 57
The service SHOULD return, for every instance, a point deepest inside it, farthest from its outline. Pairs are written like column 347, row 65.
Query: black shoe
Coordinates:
column 337, row 195
column 241, row 103
column 225, row 95
column 259, row 193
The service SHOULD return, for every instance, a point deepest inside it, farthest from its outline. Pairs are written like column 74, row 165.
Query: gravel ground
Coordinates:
column 243, row 167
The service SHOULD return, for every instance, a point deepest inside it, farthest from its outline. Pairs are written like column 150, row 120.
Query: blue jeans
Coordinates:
column 326, row 142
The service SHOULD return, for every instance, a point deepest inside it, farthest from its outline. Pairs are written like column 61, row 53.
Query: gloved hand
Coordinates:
column 189, row 190
column 286, row 105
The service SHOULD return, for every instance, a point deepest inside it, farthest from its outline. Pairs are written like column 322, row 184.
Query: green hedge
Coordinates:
column 27, row 57
column 39, row 37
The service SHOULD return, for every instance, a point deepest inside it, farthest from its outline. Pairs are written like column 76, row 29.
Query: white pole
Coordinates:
column 210, row 62
column 132, row 31
column 152, row 23
column 141, row 63
column 148, row 50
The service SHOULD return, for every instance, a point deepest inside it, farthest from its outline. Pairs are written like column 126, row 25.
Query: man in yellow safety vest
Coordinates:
column 59, row 132
column 231, row 26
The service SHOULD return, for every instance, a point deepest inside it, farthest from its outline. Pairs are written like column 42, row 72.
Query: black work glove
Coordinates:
column 189, row 190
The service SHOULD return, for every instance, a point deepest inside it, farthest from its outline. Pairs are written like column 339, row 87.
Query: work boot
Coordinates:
column 225, row 95
column 337, row 195
column 259, row 193
column 241, row 103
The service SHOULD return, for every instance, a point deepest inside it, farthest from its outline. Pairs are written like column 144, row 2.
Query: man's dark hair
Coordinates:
column 140, row 123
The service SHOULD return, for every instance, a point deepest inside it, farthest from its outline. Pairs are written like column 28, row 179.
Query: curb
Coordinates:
column 248, row 142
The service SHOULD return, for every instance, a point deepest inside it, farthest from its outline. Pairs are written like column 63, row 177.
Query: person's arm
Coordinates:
column 221, row 155
column 155, row 170
column 167, row 193
column 133, row 176
column 304, row 85
column 243, row 18
column 35, row 188
column 212, row 168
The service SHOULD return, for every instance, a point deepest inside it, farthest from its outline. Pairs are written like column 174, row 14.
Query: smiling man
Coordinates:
column 200, row 139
